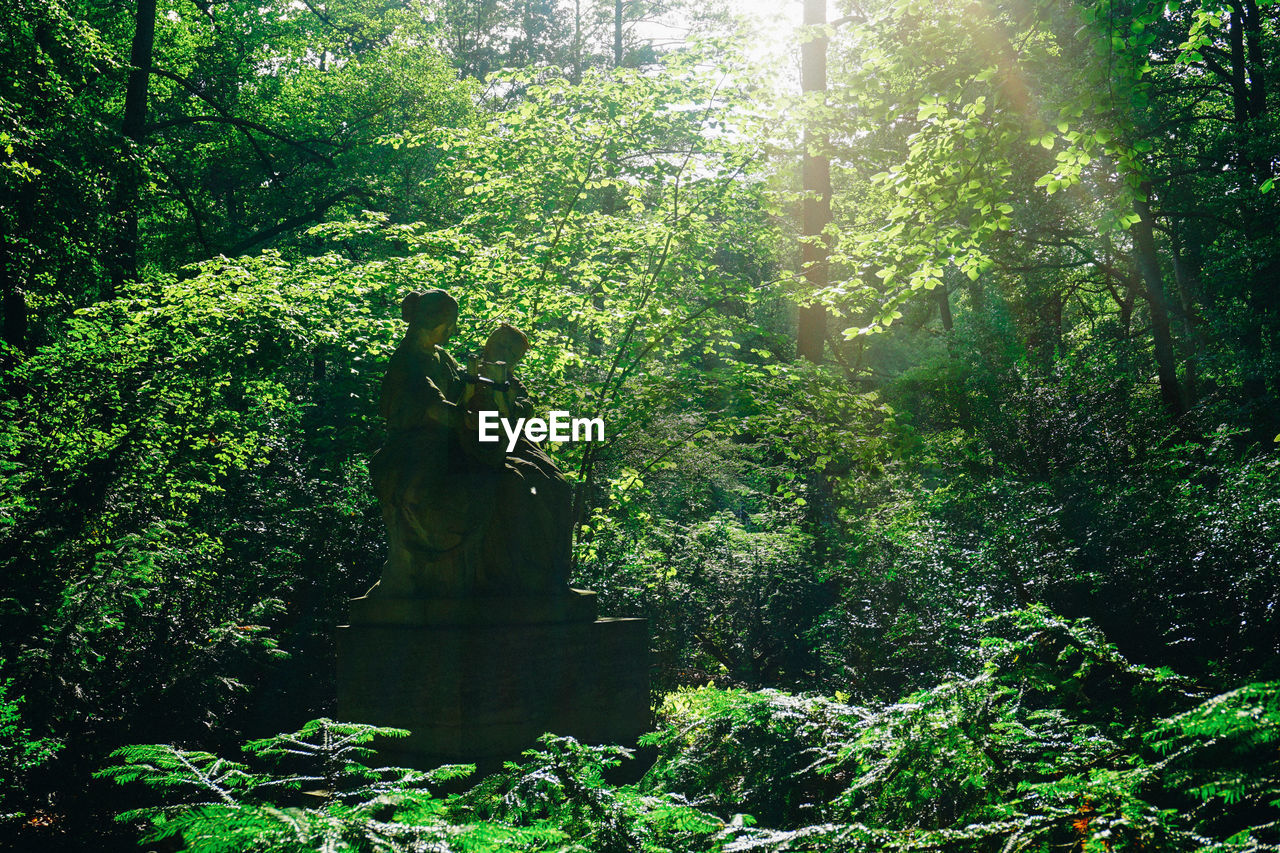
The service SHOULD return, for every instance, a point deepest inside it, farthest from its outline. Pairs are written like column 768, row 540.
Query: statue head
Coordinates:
column 506, row 343
column 428, row 310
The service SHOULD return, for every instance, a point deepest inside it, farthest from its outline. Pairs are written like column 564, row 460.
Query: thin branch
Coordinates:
column 189, row 203
column 243, row 124
column 316, row 213
column 196, row 91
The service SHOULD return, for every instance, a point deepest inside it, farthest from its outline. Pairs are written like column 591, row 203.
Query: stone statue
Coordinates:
column 473, row 640
column 464, row 518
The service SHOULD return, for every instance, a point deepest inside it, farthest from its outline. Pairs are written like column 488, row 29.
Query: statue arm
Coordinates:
column 410, row 401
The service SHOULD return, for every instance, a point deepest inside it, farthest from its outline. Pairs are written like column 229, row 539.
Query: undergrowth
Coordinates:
column 1057, row 743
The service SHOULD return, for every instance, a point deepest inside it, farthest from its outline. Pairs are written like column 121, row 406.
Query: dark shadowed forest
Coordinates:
column 937, row 346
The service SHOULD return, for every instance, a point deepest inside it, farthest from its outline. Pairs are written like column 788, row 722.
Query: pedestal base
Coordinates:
column 479, row 680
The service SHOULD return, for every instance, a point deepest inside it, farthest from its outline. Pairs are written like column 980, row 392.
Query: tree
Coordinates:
column 812, row 333
column 133, row 128
column 964, row 135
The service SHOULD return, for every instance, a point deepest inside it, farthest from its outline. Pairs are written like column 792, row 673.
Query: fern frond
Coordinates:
column 165, row 767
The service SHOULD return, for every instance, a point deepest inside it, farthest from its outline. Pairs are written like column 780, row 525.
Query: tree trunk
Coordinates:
column 1252, row 22
column 1239, row 83
column 133, row 127
column 816, row 177
column 617, row 32
column 1149, row 268
column 944, row 306
column 576, row 76
column 14, row 272
column 1186, row 275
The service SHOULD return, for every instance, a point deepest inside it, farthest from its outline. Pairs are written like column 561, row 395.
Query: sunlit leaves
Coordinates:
column 951, row 137
column 614, row 219
column 558, row 794
column 162, row 462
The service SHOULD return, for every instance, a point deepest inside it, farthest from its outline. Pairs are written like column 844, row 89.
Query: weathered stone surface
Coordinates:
column 577, row 606
column 477, row 691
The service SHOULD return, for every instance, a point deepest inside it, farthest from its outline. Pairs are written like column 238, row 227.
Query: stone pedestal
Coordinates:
column 478, row 680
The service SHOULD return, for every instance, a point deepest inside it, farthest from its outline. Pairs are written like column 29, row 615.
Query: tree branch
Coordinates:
column 193, row 89
column 189, row 203
column 243, row 124
column 316, row 213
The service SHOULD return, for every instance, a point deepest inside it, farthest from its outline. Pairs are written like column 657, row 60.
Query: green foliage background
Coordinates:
column 1050, row 391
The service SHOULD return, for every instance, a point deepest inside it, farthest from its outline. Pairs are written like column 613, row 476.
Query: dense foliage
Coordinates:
column 1056, row 742
column 1049, row 390
column 556, row 798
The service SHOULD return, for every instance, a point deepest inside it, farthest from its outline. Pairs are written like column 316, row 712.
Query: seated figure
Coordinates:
column 435, row 501
column 534, row 501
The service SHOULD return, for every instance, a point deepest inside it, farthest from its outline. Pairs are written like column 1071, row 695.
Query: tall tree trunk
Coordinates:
column 1239, row 80
column 811, row 332
column 133, row 127
column 1149, row 268
column 617, row 32
column 1261, row 386
column 576, row 76
column 943, row 295
column 14, row 272
column 1247, row 78
column 1252, row 23
column 1186, row 275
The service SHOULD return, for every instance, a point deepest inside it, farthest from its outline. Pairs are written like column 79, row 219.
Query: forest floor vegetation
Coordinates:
column 1057, row 743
